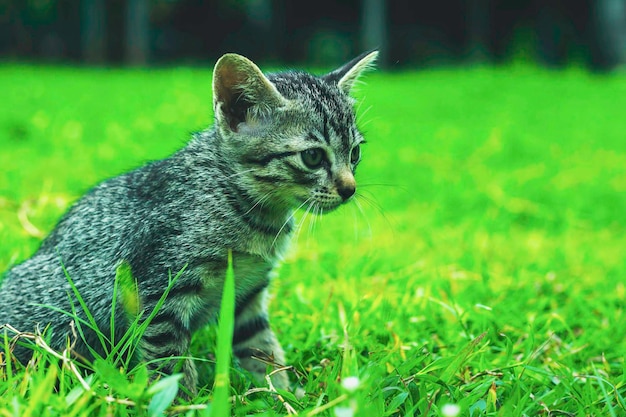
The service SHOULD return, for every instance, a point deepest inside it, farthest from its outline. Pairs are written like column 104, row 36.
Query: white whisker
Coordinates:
column 299, row 225
column 362, row 125
column 260, row 201
column 360, row 208
column 373, row 184
column 316, row 212
column 358, row 109
column 320, row 215
column 372, row 202
column 311, row 210
column 287, row 221
column 355, row 222
column 236, row 174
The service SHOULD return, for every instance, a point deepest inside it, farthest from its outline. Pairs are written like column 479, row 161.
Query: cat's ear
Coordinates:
column 346, row 76
column 241, row 92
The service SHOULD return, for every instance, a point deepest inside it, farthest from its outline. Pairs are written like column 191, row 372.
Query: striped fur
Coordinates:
column 279, row 142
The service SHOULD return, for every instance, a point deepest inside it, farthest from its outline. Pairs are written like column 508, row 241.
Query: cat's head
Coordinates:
column 293, row 133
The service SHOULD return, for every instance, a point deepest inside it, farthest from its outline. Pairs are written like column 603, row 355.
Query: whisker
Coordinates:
column 321, row 213
column 380, row 184
column 360, row 208
column 312, row 210
column 370, row 185
column 318, row 216
column 293, row 213
column 358, row 109
column 260, row 201
column 241, row 173
column 363, row 124
column 372, row 202
column 298, row 228
column 355, row 222
column 304, row 217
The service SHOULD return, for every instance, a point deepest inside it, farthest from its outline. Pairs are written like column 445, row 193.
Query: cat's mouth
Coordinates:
column 323, row 199
column 326, row 204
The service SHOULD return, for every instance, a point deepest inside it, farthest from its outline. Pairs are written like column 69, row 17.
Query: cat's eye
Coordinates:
column 355, row 154
column 313, row 158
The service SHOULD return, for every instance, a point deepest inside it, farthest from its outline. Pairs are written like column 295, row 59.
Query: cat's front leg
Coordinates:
column 253, row 339
column 165, row 348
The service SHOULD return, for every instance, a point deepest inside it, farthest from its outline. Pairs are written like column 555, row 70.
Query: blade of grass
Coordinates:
column 607, row 397
column 460, row 358
column 221, row 394
column 92, row 321
column 8, row 367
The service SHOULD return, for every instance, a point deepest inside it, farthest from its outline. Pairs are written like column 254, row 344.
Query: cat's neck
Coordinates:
column 208, row 151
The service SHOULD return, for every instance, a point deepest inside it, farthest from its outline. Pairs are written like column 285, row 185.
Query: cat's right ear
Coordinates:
column 241, row 93
column 346, row 76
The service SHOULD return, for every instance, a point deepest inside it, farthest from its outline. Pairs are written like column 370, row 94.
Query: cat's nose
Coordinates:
column 346, row 186
column 346, row 192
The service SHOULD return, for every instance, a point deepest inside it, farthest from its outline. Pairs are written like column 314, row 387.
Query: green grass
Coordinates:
column 487, row 269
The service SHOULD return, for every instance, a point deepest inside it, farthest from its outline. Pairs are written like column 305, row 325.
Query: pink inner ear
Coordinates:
column 233, row 107
column 239, row 86
column 227, row 80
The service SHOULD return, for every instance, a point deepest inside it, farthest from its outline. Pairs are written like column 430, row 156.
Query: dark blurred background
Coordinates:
column 321, row 32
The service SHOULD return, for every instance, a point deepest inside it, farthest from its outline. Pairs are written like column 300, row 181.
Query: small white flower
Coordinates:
column 343, row 412
column 350, row 383
column 450, row 410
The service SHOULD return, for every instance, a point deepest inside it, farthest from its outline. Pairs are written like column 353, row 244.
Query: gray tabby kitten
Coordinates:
column 280, row 142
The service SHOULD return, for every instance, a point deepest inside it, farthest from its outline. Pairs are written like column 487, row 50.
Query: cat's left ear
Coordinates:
column 346, row 76
column 241, row 93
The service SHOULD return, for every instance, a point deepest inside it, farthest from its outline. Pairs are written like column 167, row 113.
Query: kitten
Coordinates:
column 280, row 142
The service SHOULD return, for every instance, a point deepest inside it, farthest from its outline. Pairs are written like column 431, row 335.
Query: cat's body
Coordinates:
column 280, row 142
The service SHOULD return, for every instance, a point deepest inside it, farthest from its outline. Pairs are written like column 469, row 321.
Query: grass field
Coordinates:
column 485, row 276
